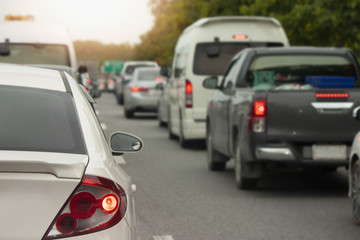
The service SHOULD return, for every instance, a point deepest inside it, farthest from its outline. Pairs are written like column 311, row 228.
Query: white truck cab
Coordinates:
column 204, row 49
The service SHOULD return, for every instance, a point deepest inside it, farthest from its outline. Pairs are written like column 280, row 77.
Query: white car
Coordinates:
column 354, row 172
column 58, row 176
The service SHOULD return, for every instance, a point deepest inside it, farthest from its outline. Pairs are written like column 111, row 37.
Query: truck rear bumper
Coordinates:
column 287, row 155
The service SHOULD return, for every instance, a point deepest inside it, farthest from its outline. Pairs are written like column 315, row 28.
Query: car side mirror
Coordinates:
column 210, row 82
column 165, row 71
column 82, row 69
column 159, row 86
column 121, row 142
column 95, row 93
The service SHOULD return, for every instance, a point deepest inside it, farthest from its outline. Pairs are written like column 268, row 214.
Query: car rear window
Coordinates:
column 288, row 72
column 213, row 58
column 130, row 69
column 38, row 120
column 148, row 75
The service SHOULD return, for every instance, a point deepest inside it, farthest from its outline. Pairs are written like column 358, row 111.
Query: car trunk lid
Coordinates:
column 34, row 187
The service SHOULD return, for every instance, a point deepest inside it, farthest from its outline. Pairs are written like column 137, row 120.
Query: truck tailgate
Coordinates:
column 312, row 116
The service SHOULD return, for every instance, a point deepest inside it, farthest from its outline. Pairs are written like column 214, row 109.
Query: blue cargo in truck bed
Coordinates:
column 330, row 81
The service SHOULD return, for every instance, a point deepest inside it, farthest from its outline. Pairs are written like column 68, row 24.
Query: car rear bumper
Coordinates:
column 140, row 103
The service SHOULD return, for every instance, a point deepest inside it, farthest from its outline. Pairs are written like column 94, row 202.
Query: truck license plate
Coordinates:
column 329, row 152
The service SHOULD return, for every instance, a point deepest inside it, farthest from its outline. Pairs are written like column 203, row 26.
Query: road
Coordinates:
column 178, row 198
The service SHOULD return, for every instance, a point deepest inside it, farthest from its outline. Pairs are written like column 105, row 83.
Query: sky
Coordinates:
column 107, row 21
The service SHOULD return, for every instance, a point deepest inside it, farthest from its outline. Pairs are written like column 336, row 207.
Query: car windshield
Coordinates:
column 148, row 75
column 37, row 54
column 301, row 72
column 38, row 120
column 130, row 69
column 213, row 58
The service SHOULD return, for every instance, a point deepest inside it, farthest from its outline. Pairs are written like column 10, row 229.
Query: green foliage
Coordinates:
column 101, row 52
column 306, row 22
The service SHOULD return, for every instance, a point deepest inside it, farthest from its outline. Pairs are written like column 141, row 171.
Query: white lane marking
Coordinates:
column 120, row 159
column 166, row 237
column 103, row 126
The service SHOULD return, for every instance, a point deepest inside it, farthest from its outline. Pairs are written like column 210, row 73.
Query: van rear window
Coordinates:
column 213, row 58
column 291, row 72
column 49, row 54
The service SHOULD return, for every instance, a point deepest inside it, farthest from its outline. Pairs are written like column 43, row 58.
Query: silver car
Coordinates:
column 126, row 75
column 58, row 176
column 140, row 94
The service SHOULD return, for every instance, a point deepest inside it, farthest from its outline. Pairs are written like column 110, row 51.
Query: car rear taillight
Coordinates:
column 88, row 80
column 188, row 94
column 258, row 117
column 97, row 204
column 138, row 89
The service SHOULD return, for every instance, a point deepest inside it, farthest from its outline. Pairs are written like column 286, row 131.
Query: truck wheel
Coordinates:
column 215, row 161
column 242, row 182
column 355, row 190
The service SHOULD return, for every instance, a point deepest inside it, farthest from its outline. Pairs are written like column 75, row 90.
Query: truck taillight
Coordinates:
column 188, row 94
column 97, row 204
column 258, row 117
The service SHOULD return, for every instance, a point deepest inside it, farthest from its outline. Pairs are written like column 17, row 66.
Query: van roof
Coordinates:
column 33, row 32
column 210, row 20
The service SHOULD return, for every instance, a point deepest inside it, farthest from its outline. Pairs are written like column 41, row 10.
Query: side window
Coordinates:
column 231, row 76
column 180, row 62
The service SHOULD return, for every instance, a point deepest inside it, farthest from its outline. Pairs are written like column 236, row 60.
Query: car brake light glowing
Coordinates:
column 260, row 108
column 188, row 94
column 332, row 95
column 138, row 89
column 97, row 204
column 88, row 80
column 159, row 79
column 109, row 203
column 257, row 121
column 240, row 36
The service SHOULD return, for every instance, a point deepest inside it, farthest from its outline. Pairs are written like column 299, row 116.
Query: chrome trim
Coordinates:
column 332, row 105
column 268, row 153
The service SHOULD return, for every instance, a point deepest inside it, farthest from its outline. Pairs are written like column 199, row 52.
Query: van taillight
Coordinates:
column 257, row 122
column 97, row 204
column 188, row 94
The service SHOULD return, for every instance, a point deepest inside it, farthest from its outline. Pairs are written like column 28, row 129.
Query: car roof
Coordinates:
column 24, row 76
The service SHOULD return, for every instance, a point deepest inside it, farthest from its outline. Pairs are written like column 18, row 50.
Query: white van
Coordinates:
column 204, row 49
column 33, row 43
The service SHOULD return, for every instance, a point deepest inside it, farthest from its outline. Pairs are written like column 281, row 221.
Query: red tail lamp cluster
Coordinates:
column 188, row 94
column 258, row 117
column 97, row 204
column 138, row 89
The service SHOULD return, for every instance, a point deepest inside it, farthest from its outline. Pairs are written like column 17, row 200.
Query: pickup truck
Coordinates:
column 288, row 106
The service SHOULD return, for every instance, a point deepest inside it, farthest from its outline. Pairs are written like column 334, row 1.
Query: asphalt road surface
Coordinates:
column 178, row 198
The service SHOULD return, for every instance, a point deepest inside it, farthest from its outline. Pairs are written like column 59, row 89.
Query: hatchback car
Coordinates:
column 140, row 94
column 58, row 176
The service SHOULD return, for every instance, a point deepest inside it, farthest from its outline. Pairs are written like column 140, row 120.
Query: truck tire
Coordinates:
column 355, row 190
column 215, row 160
column 242, row 182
